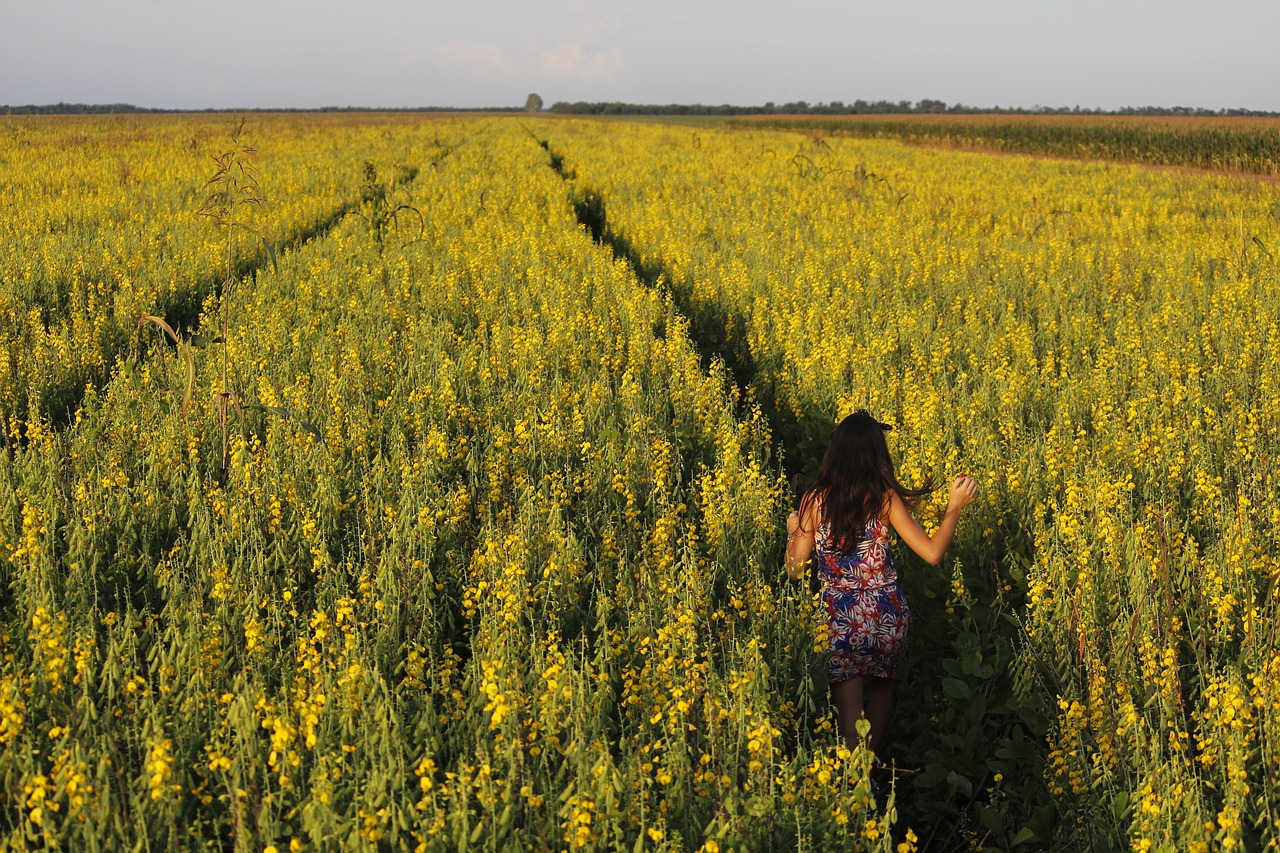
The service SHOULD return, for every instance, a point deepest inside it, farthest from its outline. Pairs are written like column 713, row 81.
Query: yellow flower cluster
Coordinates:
column 482, row 497
column 101, row 225
column 1097, row 344
column 493, row 555
column 160, row 767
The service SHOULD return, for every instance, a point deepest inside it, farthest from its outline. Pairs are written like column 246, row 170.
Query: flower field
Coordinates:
column 1097, row 344
column 490, row 554
column 102, row 225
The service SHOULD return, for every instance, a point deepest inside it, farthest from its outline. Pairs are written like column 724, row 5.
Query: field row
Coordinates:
column 490, row 560
column 106, row 221
column 1098, row 346
column 458, row 526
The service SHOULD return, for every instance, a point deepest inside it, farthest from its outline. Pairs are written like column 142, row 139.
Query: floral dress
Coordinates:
column 867, row 614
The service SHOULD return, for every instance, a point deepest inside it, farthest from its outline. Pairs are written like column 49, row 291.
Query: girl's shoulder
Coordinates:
column 811, row 506
column 886, row 508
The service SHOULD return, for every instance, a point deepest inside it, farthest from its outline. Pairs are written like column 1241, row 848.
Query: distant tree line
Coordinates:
column 62, row 108
column 109, row 109
column 605, row 108
column 861, row 107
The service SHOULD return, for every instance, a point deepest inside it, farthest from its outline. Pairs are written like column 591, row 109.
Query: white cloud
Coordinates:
column 481, row 59
column 573, row 62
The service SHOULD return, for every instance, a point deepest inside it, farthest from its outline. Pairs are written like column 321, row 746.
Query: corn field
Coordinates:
column 1247, row 144
column 391, row 482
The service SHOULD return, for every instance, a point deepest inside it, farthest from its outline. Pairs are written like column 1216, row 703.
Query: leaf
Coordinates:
column 1262, row 246
column 993, row 819
column 285, row 413
column 1026, row 835
column 960, row 784
column 1120, row 806
column 271, row 253
column 956, row 689
column 422, row 220
column 202, row 341
column 191, row 376
column 159, row 321
column 275, row 410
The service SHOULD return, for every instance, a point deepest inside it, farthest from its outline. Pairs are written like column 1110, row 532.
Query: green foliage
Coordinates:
column 1241, row 144
column 488, row 594
column 493, row 556
column 1089, row 340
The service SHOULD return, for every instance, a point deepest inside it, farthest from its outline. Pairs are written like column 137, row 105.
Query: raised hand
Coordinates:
column 963, row 490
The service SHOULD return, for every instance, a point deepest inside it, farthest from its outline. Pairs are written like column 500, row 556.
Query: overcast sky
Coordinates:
column 471, row 53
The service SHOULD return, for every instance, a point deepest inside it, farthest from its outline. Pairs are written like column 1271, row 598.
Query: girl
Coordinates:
column 845, row 516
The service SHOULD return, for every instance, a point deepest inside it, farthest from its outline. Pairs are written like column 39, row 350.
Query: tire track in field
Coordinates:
column 60, row 402
column 797, row 439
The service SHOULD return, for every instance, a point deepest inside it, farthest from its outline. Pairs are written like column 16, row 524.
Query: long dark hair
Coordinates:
column 855, row 478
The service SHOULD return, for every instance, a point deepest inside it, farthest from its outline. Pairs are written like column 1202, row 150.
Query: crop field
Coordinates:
column 401, row 482
column 1247, row 144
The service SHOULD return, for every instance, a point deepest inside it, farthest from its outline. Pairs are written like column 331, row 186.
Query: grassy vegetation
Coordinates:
column 490, row 560
column 1097, row 344
column 1239, row 144
column 456, row 519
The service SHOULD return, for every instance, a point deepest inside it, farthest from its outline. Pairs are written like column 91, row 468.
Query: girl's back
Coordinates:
column 868, row 564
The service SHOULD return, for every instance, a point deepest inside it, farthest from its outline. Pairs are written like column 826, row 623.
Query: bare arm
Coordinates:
column 801, row 531
column 931, row 548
